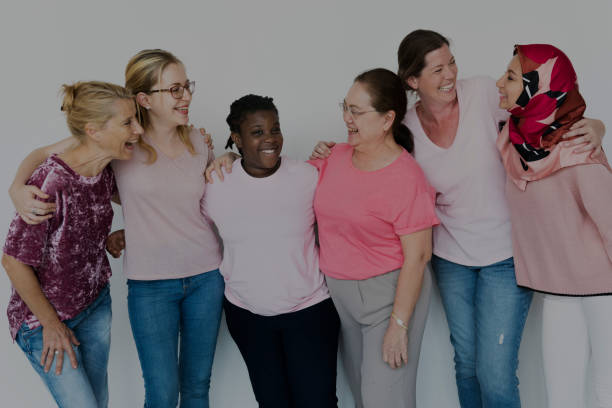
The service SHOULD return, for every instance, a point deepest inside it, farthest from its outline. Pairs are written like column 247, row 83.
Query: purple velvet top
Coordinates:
column 67, row 252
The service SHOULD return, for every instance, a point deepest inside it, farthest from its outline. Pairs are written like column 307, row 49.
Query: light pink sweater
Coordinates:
column 166, row 236
column 562, row 231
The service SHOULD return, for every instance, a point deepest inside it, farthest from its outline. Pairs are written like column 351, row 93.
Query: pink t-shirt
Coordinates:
column 469, row 178
column 270, row 261
column 166, row 236
column 361, row 215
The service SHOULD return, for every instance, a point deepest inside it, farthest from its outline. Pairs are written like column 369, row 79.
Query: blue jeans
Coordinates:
column 87, row 385
column 159, row 311
column 486, row 313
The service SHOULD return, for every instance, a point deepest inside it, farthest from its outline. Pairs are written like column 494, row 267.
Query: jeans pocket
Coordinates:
column 27, row 338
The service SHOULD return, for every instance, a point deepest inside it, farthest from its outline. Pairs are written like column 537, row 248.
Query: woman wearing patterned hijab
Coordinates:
column 559, row 204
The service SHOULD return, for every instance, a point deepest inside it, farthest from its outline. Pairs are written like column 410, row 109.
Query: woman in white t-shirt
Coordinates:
column 455, row 125
column 277, row 306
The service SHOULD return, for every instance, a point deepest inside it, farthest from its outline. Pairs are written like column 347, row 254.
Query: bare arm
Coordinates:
column 57, row 337
column 416, row 248
column 31, row 210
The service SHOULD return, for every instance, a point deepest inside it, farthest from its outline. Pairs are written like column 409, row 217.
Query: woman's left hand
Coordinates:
column 395, row 345
column 207, row 139
column 590, row 134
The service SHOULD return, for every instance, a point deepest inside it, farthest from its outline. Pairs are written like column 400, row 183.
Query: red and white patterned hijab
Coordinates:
column 548, row 106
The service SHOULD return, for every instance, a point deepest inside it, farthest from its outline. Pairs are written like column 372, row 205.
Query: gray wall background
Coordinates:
column 305, row 55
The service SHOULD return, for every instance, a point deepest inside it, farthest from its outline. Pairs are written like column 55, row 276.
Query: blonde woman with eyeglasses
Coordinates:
column 175, row 290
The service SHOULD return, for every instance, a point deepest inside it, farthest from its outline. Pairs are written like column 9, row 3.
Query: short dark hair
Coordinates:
column 412, row 51
column 387, row 93
column 241, row 107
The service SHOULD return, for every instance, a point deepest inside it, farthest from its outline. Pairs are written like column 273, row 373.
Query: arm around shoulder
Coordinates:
column 31, row 209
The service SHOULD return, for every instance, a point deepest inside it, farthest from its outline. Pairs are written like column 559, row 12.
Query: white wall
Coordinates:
column 304, row 54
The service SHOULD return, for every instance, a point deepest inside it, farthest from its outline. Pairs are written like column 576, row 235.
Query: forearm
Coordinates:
column 27, row 167
column 28, row 287
column 408, row 289
column 36, row 157
column 417, row 252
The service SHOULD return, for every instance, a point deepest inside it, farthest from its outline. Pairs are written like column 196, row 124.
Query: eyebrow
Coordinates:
column 512, row 72
column 440, row 65
column 352, row 105
column 178, row 83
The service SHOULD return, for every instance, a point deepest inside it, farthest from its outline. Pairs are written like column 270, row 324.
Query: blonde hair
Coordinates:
column 90, row 102
column 142, row 72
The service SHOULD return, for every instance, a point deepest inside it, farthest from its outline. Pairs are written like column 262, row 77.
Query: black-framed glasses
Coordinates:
column 177, row 91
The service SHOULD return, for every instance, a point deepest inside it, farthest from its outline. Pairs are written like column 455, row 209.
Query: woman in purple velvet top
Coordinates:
column 60, row 303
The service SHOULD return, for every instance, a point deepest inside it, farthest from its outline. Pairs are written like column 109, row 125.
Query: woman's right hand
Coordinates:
column 322, row 150
column 115, row 243
column 30, row 209
column 221, row 163
column 57, row 339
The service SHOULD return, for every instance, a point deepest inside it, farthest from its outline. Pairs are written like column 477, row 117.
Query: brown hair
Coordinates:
column 387, row 93
column 412, row 51
column 142, row 72
column 90, row 102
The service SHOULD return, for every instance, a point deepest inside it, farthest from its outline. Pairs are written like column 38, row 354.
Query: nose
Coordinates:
column 136, row 128
column 271, row 137
column 450, row 72
column 500, row 82
column 347, row 117
column 186, row 95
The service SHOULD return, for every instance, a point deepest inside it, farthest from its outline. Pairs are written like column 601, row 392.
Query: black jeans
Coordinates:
column 291, row 358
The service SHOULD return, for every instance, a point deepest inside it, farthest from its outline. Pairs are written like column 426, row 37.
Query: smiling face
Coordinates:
column 162, row 106
column 261, row 141
column 365, row 125
column 436, row 82
column 510, row 84
column 118, row 136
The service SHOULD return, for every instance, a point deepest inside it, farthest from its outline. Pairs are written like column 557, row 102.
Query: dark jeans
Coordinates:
column 291, row 358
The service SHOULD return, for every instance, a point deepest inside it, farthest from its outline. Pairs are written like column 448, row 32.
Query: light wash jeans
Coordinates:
column 87, row 385
column 486, row 313
column 164, row 312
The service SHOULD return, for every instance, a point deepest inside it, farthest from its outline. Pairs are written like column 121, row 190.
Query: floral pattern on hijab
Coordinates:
column 548, row 106
column 550, row 102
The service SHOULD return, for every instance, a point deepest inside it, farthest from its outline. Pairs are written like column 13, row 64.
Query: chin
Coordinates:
column 125, row 156
column 450, row 96
column 272, row 163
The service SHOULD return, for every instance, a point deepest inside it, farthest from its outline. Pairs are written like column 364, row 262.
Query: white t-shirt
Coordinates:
column 469, row 178
column 270, row 261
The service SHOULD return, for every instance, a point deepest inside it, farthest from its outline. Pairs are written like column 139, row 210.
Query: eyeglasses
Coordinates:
column 177, row 91
column 352, row 111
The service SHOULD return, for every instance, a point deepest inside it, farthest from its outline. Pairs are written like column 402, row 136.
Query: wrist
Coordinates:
column 50, row 321
column 398, row 322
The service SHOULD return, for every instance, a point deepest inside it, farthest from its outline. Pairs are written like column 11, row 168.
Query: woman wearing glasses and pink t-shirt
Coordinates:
column 175, row 290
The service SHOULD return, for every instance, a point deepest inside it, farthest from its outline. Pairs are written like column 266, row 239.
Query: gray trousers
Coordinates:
column 364, row 307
